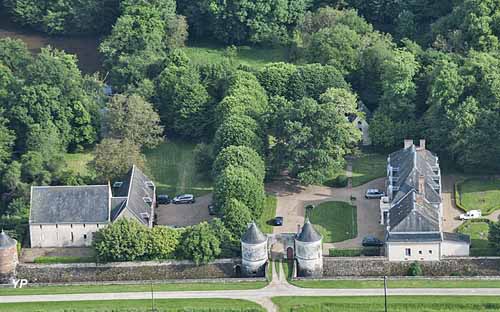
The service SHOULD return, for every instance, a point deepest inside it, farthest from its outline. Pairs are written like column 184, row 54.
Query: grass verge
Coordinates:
column 63, row 259
column 395, row 304
column 163, row 305
column 118, row 288
column 336, row 221
column 479, row 194
column 266, row 219
column 78, row 162
column 409, row 283
column 173, row 167
column 368, row 167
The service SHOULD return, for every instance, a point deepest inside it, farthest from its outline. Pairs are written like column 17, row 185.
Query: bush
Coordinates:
column 415, row 269
column 200, row 244
column 339, row 181
column 239, row 156
column 333, row 252
column 484, row 252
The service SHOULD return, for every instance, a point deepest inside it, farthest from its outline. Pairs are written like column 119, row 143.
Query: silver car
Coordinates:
column 374, row 194
column 183, row 199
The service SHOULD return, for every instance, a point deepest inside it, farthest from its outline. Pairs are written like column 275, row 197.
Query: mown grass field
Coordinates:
column 78, row 162
column 171, row 305
column 249, row 56
column 407, row 283
column 368, row 167
column 265, row 221
column 87, row 289
column 336, row 221
column 395, row 304
column 172, row 167
column 478, row 232
column 479, row 194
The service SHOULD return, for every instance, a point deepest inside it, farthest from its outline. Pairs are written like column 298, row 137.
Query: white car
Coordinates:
column 472, row 214
column 374, row 193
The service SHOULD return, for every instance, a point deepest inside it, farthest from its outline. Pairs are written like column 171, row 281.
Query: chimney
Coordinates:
column 422, row 144
column 421, row 189
column 408, row 143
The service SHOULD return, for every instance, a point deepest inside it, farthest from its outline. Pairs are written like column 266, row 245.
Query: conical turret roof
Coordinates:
column 308, row 233
column 253, row 235
column 6, row 241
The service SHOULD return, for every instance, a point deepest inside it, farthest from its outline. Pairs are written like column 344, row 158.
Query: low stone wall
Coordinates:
column 380, row 266
column 125, row 271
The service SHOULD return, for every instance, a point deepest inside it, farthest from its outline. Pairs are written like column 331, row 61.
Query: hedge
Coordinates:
column 354, row 252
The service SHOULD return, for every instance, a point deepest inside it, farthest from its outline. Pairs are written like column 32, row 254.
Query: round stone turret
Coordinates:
column 8, row 257
column 253, row 252
column 309, row 252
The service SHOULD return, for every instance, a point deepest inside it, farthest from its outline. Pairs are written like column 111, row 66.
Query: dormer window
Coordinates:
column 117, row 184
column 149, row 184
column 145, row 215
column 147, row 200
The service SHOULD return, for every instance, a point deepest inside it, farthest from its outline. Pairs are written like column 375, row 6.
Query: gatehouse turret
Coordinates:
column 309, row 252
column 253, row 252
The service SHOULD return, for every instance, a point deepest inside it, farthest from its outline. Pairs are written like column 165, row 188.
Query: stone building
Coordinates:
column 412, row 211
column 309, row 252
column 8, row 257
column 254, row 253
column 68, row 216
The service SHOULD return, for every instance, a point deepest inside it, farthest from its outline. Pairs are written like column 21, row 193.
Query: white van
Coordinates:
column 472, row 214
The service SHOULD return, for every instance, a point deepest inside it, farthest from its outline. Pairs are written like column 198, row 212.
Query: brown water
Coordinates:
column 85, row 48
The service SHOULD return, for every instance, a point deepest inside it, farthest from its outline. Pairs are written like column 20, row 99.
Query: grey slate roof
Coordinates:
column 410, row 237
column 456, row 237
column 253, row 235
column 407, row 214
column 137, row 190
column 308, row 233
column 70, row 204
column 6, row 241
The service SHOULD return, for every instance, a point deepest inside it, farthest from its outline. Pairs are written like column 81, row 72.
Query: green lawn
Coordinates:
column 78, row 162
column 478, row 232
column 265, row 222
column 479, row 194
column 408, row 283
column 368, row 167
column 163, row 305
column 250, row 56
column 173, row 169
column 395, row 304
column 336, row 221
column 86, row 289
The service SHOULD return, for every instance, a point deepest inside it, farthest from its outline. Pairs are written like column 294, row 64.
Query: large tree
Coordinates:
column 132, row 118
column 200, row 244
column 113, row 159
column 239, row 156
column 312, row 138
column 239, row 130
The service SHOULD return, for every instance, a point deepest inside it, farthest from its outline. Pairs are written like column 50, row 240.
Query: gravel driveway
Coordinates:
column 181, row 215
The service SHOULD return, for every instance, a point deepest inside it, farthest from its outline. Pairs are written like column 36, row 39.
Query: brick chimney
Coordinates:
column 408, row 143
column 421, row 189
column 422, row 144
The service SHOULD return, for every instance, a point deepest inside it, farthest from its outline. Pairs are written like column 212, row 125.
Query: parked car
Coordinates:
column 211, row 210
column 163, row 199
column 374, row 194
column 183, row 199
column 473, row 214
column 372, row 241
column 278, row 221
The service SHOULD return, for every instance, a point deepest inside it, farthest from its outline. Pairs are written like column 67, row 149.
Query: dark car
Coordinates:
column 372, row 241
column 278, row 221
column 374, row 194
column 183, row 199
column 163, row 199
column 211, row 210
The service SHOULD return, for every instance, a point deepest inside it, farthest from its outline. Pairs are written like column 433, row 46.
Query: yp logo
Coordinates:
column 19, row 283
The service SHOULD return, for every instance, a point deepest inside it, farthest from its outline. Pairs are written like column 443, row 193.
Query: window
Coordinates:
column 430, row 252
column 40, row 226
column 84, row 236
column 57, row 226
column 72, row 237
column 408, row 252
column 71, row 225
column 84, row 225
column 420, row 252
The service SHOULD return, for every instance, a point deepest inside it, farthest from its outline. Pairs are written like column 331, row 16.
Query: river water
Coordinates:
column 85, row 48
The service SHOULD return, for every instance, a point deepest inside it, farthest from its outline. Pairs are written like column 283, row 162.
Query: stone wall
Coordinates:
column 125, row 271
column 379, row 266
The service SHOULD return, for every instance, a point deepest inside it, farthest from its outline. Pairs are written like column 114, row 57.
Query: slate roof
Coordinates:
column 139, row 188
column 410, row 237
column 407, row 214
column 6, row 241
column 308, row 233
column 69, row 204
column 253, row 235
column 456, row 237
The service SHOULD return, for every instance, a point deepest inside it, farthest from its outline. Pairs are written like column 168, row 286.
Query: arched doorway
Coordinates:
column 237, row 270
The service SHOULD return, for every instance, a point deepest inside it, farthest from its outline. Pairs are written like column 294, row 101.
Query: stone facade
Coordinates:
column 63, row 235
column 8, row 257
column 379, row 266
column 126, row 271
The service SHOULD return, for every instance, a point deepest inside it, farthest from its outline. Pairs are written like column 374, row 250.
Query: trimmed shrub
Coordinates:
column 415, row 269
column 339, row 181
column 333, row 252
